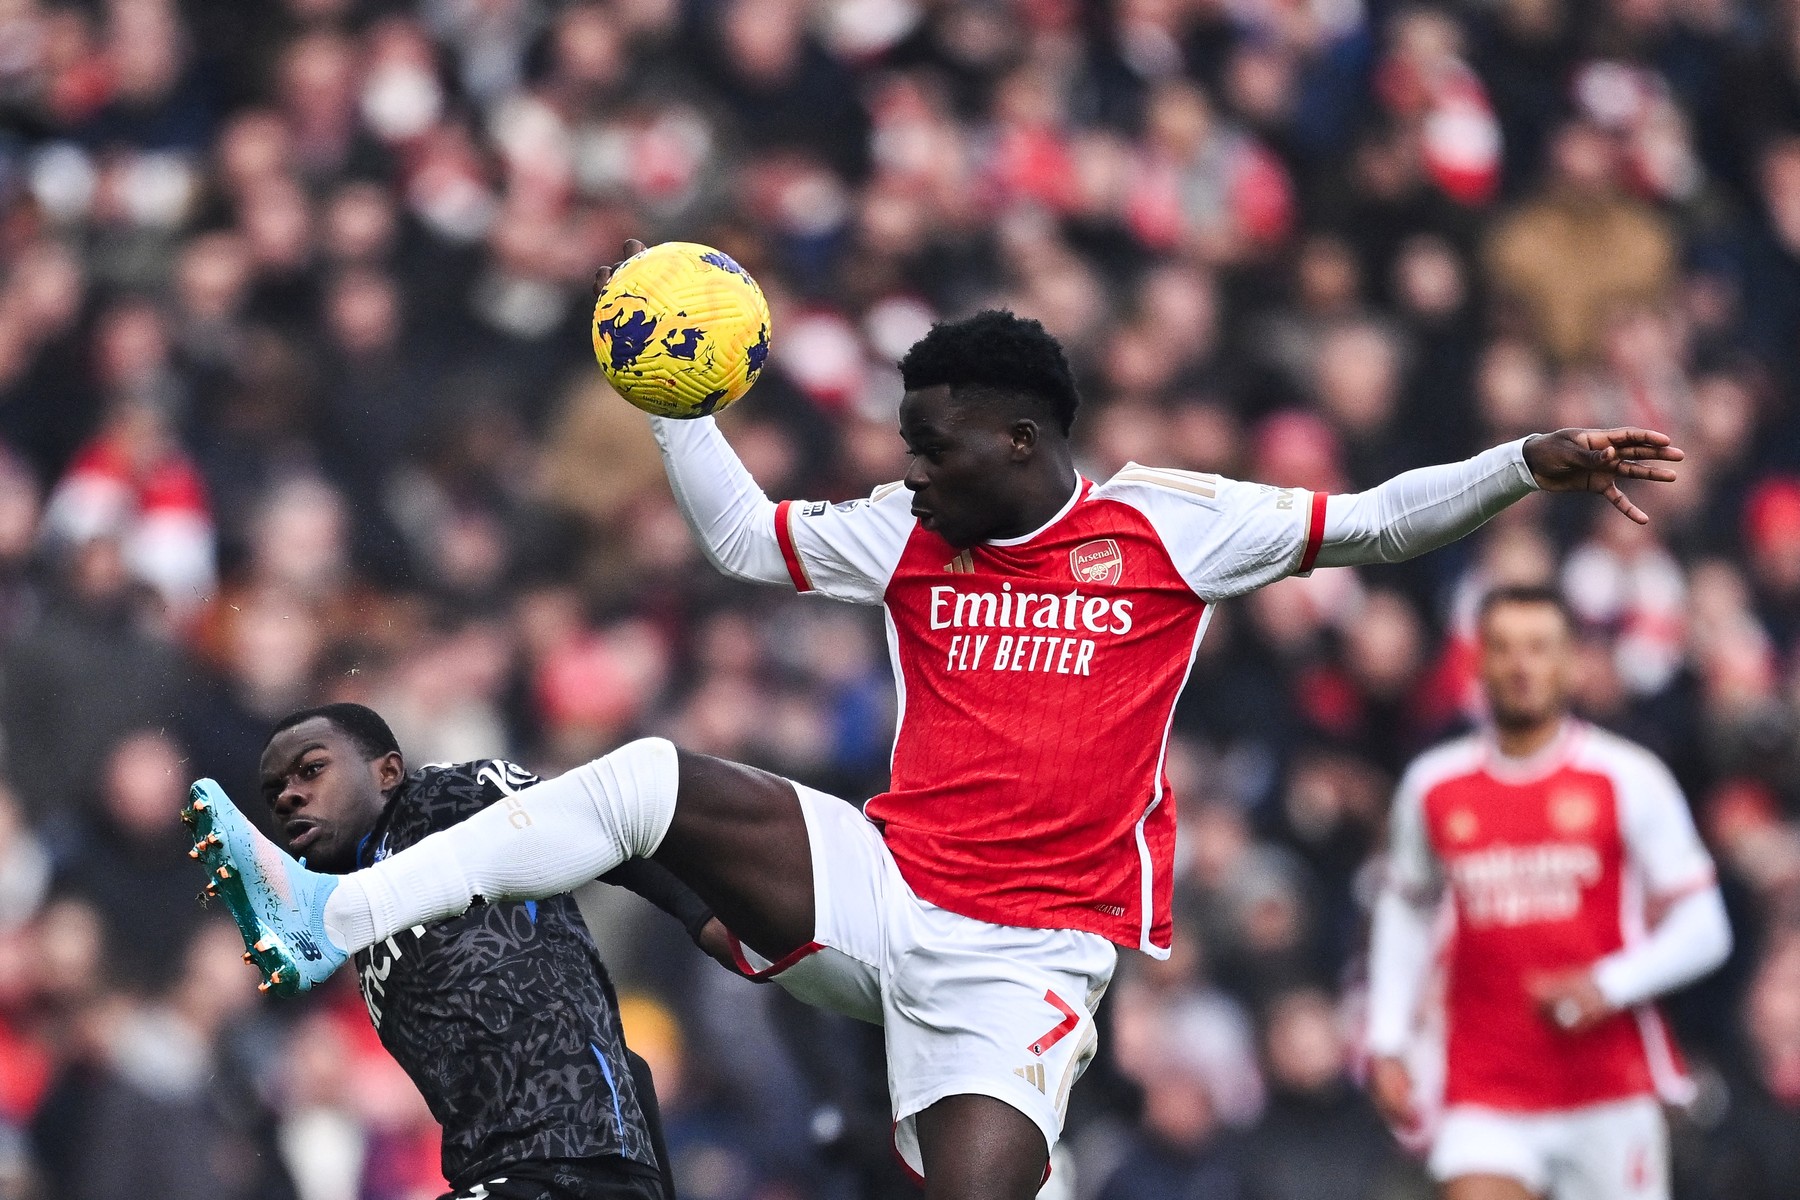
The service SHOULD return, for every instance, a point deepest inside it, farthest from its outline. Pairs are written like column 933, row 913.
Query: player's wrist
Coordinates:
column 1612, row 981
column 1530, row 458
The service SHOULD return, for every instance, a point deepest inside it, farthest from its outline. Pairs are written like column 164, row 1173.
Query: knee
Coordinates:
column 634, row 789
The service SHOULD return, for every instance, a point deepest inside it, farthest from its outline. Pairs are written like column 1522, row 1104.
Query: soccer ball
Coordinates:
column 681, row 330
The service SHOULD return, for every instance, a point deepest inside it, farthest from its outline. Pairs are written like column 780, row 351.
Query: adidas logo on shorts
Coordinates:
column 1033, row 1074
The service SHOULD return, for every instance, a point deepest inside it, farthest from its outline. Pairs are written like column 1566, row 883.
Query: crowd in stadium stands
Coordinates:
column 297, row 404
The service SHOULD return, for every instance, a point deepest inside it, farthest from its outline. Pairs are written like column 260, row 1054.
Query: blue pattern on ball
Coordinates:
column 724, row 262
column 683, row 343
column 629, row 334
column 759, row 353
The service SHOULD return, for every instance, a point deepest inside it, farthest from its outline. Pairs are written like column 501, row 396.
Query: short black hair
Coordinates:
column 363, row 725
column 995, row 351
column 1525, row 593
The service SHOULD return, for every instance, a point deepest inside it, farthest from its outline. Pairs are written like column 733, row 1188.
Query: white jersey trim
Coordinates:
column 1223, row 537
column 893, row 644
column 1147, row 868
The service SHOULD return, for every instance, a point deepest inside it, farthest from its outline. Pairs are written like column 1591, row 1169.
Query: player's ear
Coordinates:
column 1025, row 435
column 390, row 769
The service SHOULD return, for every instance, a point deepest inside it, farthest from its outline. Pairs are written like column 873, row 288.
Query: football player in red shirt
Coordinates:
column 1041, row 626
column 1545, row 845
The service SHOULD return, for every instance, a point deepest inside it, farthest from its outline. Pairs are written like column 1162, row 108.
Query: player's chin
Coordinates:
column 957, row 533
column 312, row 841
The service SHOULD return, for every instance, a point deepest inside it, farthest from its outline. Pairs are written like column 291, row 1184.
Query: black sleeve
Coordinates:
column 655, row 883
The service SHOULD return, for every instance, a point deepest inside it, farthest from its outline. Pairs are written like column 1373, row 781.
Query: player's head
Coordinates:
column 325, row 775
column 989, row 404
column 1527, row 647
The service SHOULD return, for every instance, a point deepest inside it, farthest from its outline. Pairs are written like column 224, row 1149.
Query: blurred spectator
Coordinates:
column 130, row 859
column 77, row 679
column 1755, row 1154
column 1319, row 1124
column 296, row 403
column 167, row 1093
column 134, row 483
column 1581, row 248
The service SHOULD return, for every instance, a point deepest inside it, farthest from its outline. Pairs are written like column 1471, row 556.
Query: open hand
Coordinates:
column 1570, row 1000
column 1594, row 460
column 632, row 246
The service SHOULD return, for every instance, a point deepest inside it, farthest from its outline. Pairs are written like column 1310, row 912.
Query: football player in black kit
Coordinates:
column 504, row 1017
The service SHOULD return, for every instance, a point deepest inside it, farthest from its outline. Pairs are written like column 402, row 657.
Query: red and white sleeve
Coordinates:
column 847, row 551
column 1225, row 537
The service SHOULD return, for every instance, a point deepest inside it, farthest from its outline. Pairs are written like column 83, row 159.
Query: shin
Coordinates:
column 539, row 842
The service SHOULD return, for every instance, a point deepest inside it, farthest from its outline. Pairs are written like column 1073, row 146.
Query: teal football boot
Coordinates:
column 278, row 904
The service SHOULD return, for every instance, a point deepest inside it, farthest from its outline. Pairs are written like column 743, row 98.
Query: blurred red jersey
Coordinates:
column 1549, row 864
column 1037, row 679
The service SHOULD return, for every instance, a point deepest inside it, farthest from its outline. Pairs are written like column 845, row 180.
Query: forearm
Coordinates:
column 1399, row 960
column 657, row 884
column 1692, row 939
column 722, row 504
column 1421, row 510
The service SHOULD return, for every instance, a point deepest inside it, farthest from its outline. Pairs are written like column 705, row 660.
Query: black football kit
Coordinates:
column 506, row 1021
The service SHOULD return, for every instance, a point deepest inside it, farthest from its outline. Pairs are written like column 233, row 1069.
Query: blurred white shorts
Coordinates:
column 967, row 1007
column 1615, row 1151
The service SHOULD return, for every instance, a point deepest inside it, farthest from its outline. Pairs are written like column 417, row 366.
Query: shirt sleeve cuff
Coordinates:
column 1523, row 467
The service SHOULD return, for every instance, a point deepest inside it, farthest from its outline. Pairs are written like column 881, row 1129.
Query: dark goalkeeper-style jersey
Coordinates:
column 504, row 1017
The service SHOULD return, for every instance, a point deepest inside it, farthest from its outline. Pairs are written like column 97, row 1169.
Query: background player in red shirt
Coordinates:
column 1549, row 843
column 1041, row 627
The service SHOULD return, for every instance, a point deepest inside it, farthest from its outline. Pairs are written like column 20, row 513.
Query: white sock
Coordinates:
column 541, row 842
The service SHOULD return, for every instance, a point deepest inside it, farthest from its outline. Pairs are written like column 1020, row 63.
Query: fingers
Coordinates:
column 1631, row 435
column 1633, row 470
column 1660, row 453
column 604, row 275
column 1623, row 503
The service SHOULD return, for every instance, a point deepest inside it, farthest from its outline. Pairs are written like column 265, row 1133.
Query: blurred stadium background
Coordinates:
column 296, row 403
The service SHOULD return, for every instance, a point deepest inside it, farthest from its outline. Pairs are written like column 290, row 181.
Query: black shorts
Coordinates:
column 610, row 1178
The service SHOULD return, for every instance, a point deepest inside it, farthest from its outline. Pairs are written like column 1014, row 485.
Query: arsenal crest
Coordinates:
column 1461, row 825
column 1573, row 810
column 1097, row 562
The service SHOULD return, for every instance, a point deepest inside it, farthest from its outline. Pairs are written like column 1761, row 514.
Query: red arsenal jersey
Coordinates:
column 1037, row 678
column 1547, row 864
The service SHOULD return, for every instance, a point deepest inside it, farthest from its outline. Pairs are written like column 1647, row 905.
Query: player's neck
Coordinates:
column 1523, row 741
column 1040, row 502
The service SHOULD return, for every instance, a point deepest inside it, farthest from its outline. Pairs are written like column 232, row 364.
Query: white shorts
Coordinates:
column 1614, row 1151
column 967, row 1007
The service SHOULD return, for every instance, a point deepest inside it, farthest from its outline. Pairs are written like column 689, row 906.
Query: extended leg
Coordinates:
column 979, row 1148
column 736, row 835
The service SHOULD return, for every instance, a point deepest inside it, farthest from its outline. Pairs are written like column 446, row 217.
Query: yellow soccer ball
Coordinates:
column 681, row 330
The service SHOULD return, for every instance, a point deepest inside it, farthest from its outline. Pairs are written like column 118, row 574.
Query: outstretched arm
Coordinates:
column 1431, row 507
column 847, row 551
column 722, row 504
